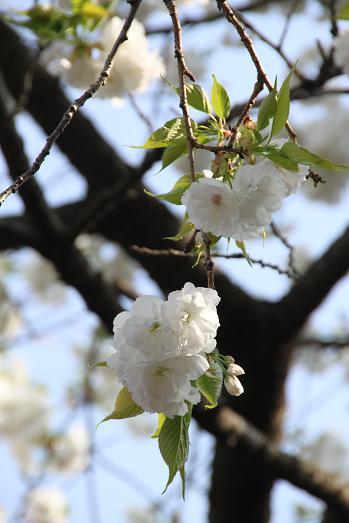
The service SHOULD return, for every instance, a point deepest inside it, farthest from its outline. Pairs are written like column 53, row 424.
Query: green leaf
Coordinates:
column 210, row 384
column 125, row 407
column 176, row 193
column 184, row 229
column 174, row 151
column 305, row 157
column 174, row 445
column 343, row 12
column 48, row 23
column 161, row 421
column 267, row 110
column 282, row 106
column 93, row 10
column 98, row 364
column 220, row 99
column 162, row 137
column 197, row 98
column 276, row 156
column 241, row 245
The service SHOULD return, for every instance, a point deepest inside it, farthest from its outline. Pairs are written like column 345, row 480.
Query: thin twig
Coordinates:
column 237, row 256
column 74, row 107
column 288, row 18
column 182, row 72
column 208, row 263
column 258, row 88
column 235, row 19
column 270, row 43
column 291, row 261
column 323, row 343
column 140, row 112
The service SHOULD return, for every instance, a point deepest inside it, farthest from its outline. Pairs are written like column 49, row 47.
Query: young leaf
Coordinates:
column 267, row 110
column 220, row 99
column 184, row 229
column 174, row 151
column 241, row 245
column 305, row 157
column 93, row 10
column 98, row 364
column 125, row 407
column 276, row 156
column 197, row 98
column 282, row 106
column 210, row 384
column 162, row 137
column 161, row 421
column 176, row 193
column 174, row 445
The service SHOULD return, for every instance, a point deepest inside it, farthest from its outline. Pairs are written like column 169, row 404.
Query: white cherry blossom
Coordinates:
column 192, row 312
column 260, row 190
column 160, row 348
column 212, row 206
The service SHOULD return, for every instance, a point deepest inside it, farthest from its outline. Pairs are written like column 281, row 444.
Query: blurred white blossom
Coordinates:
column 135, row 65
column 342, row 50
column 43, row 279
column 327, row 138
column 24, row 409
column 46, row 505
column 329, row 452
column 71, row 450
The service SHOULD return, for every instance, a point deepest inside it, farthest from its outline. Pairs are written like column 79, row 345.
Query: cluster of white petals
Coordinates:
column 71, row 450
column 242, row 210
column 135, row 65
column 342, row 50
column 46, row 505
column 161, row 347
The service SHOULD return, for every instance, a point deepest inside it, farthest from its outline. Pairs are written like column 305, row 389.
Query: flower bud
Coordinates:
column 233, row 386
column 235, row 370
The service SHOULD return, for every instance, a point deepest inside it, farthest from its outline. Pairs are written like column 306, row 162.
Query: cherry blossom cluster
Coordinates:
column 241, row 207
column 162, row 346
column 135, row 65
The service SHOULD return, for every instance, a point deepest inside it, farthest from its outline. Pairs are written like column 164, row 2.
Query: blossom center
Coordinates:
column 216, row 200
column 154, row 327
column 160, row 372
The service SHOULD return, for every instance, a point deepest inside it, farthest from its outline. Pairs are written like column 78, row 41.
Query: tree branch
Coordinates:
column 238, row 431
column 74, row 107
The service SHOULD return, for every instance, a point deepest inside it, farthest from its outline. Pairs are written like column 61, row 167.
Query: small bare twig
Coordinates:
column 291, row 262
column 324, row 343
column 191, row 243
column 74, row 107
column 332, row 5
column 258, row 88
column 140, row 112
column 182, row 72
column 235, row 19
column 236, row 256
column 208, row 263
column 290, row 13
column 315, row 177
